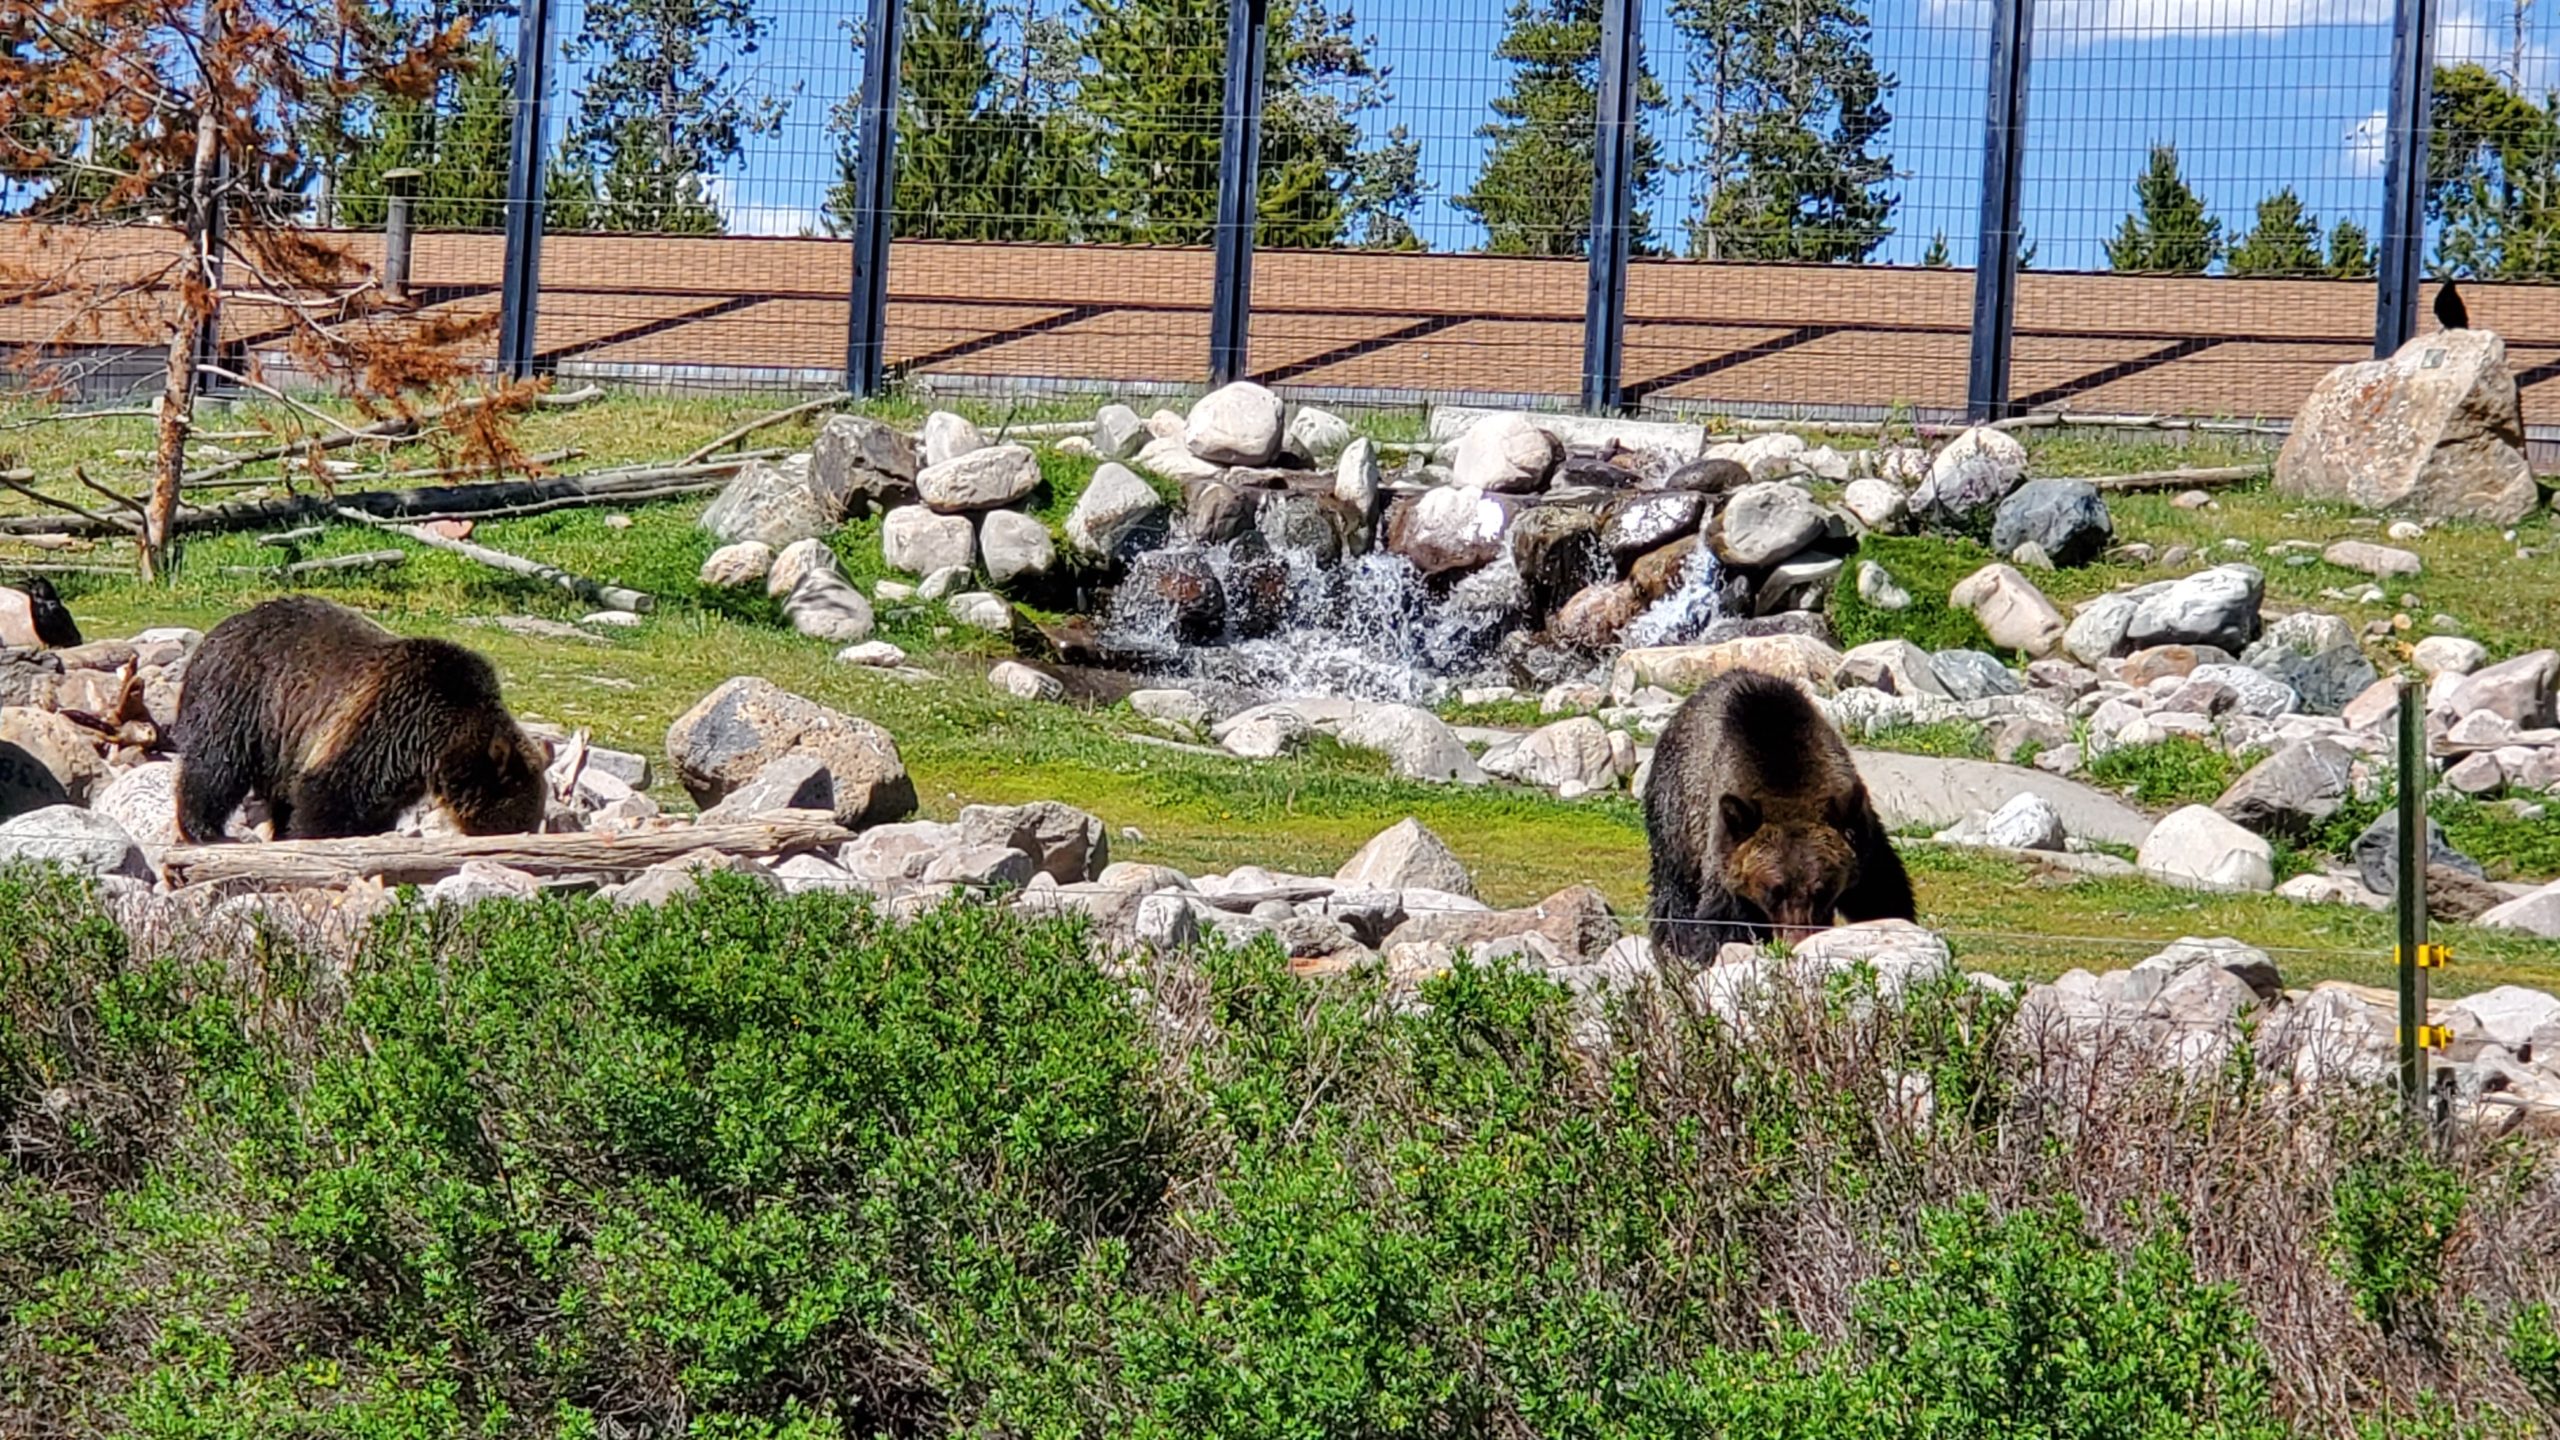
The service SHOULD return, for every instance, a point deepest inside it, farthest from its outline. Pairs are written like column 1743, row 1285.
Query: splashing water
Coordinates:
column 1685, row 613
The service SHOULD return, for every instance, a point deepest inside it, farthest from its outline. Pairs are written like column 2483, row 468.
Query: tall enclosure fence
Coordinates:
column 1777, row 207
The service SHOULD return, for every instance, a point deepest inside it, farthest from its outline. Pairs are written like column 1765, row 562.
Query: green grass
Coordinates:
column 1926, row 569
column 2180, row 770
column 1947, row 739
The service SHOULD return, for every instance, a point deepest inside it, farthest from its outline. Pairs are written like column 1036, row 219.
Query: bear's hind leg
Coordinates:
column 211, row 784
column 343, row 798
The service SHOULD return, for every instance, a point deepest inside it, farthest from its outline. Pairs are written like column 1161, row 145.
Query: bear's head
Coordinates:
column 1791, row 864
column 493, row 783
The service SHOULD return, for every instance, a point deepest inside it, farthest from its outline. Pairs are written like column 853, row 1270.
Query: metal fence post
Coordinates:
column 2412, row 897
column 399, row 186
column 2404, row 177
column 1239, row 190
column 866, row 350
column 1604, row 305
column 520, row 289
column 2004, row 154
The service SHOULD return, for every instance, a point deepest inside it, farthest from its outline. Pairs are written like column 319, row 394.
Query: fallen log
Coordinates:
column 763, row 422
column 401, row 860
column 2200, row 478
column 613, row 597
column 361, row 560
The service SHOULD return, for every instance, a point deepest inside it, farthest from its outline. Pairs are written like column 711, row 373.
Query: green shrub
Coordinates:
column 2395, row 1214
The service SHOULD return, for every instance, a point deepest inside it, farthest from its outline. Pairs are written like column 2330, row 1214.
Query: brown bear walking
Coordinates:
column 1759, row 823
column 340, row 725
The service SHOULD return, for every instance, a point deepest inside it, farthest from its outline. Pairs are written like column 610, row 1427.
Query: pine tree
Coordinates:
column 2284, row 242
column 669, row 98
column 460, row 142
column 1154, row 93
column 2169, row 234
column 1790, row 112
column 2351, row 255
column 1533, row 195
column 2493, row 177
column 1935, row 257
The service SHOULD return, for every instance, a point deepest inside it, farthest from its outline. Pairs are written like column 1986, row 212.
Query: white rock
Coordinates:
column 480, row 880
column 1112, row 507
column 1238, row 424
column 1878, row 505
column 981, row 611
column 612, row 619
column 735, row 567
column 1896, row 667
column 1504, row 454
column 2534, row 914
column 2506, row 1014
column 920, row 542
column 1265, row 732
column 1764, row 523
column 2476, row 774
column 948, row 437
column 1355, row 476
column 75, row 839
column 979, row 479
column 1013, row 545
column 144, row 801
column 1173, row 460
column 1972, row 475
column 823, row 607
column 798, row 560
column 1178, row 708
column 2014, row 613
column 1419, row 744
column 1317, row 435
column 2380, row 561
column 2448, row 655
column 943, row 583
column 1017, row 679
column 2198, row 849
column 1118, row 433
column 2027, row 822
column 875, row 654
column 1574, row 753
column 1406, row 856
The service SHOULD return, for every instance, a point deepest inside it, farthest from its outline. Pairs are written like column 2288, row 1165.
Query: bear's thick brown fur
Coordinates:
column 1759, row 823
column 339, row 725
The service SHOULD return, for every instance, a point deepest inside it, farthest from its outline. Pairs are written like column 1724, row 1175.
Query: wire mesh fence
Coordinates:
column 2201, row 202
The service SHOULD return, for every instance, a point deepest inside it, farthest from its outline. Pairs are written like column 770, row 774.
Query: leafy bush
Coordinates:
column 2396, row 1213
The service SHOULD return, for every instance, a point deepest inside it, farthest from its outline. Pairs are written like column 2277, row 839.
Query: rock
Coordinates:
column 979, row 479
column 2317, row 656
column 1593, row 618
column 735, row 567
column 774, row 504
column 858, row 460
column 1766, row 457
column 2027, row 822
column 2448, row 655
column 748, row 722
column 1899, row 953
column 1876, row 586
column 2328, row 890
column 1763, row 524
column 1013, row 546
column 1184, row 587
column 987, row 867
column 920, row 542
column 2519, row 691
column 143, row 802
column 1708, row 475
column 1171, row 459
column 1316, row 436
column 798, row 780
column 2535, row 914
column 1641, row 523
column 2476, row 774
column 1405, row 856
column 799, row 560
column 2380, row 561
column 824, row 607
column 1969, row 478
column 1878, row 506
column 1264, row 732
column 2292, row 792
column 1556, row 550
column 1972, row 675
column 1420, row 746
column 947, row 437
column 2064, row 518
column 1021, row 681
column 1289, row 522
column 1114, row 505
column 943, row 583
column 1661, row 572
column 2435, row 432
column 2199, row 849
column 1896, row 667
column 1572, row 755
column 1064, row 843
column 1118, row 433
column 2096, row 632
column 1356, row 478
column 2014, row 613
column 1453, row 527
column 2217, row 607
column 1575, row 921
column 2376, row 853
column 1178, row 708
column 1802, row 584
column 1683, row 668
column 2252, row 693
column 82, row 841
column 1504, row 454
column 981, row 611
column 62, row 748
column 480, row 880
column 2505, row 1015
column 1237, row 424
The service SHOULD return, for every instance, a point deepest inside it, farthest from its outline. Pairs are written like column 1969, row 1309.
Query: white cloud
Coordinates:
column 2464, row 34
column 743, row 216
column 2364, row 144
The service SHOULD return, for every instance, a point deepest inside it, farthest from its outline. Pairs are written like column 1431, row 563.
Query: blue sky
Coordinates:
column 2256, row 94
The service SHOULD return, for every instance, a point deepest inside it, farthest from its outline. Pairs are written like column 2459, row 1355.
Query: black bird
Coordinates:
column 53, row 622
column 2450, row 311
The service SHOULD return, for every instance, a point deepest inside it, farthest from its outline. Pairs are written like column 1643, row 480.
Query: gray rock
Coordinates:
column 1969, row 478
column 1802, row 584
column 1763, row 524
column 735, row 567
column 2252, row 693
column 2014, row 613
column 1265, row 732
column 2292, row 792
column 2096, row 633
column 981, row 611
column 1237, row 424
column 2519, row 691
column 2027, row 822
column 2063, row 518
column 78, row 840
column 1170, row 458
column 1641, row 523
column 943, row 583
column 1014, row 546
column 1972, row 675
column 2379, row 561
column 2217, row 607
column 26, row 782
column 797, row 780
column 143, row 801
column 1896, row 667
column 979, row 479
column 1113, row 507
column 2435, row 431
column 2317, row 655
column 799, row 560
column 1298, row 523
column 1355, row 476
column 1452, row 527
column 775, row 504
column 947, row 437
column 748, row 722
column 2198, row 849
column 1021, row 681
column 1505, row 454
column 824, row 607
column 920, row 542
column 480, row 880
column 2448, row 655
column 2505, row 1015
column 1877, row 505
column 2376, row 853
column 1118, row 433
column 856, row 460
column 1316, row 436
column 1404, row 856
column 1179, row 708
column 980, row 866
column 2535, row 914
column 1419, row 745
column 1877, row 587
column 1572, row 756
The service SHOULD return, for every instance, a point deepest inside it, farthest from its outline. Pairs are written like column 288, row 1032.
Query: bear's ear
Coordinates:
column 1741, row 817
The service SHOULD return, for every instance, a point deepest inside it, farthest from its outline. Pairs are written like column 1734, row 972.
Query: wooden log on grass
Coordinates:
column 403, row 860
column 612, row 597
column 2200, row 478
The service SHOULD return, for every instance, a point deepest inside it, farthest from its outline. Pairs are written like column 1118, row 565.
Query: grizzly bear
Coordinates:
column 1759, row 824
column 339, row 725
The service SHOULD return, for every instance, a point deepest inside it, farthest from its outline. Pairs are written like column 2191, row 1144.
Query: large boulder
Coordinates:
column 82, row 841
column 1316, row 436
column 1406, row 856
column 1014, row 546
column 1593, row 618
column 948, row 437
column 2014, row 613
column 1556, row 549
column 1969, row 478
column 1572, row 757
column 1238, row 424
column 2434, row 431
column 2290, row 793
column 2199, row 849
column 27, row 781
column 1644, row 522
column 920, row 542
column 774, row 503
column 144, row 802
column 1682, row 668
column 1763, row 524
column 63, row 748
column 1115, row 503
column 857, row 461
column 2318, row 656
column 1418, row 744
column 2376, row 853
column 2518, row 691
column 748, row 722
column 2217, row 607
column 2063, row 518
column 981, row 479
column 1453, row 527
column 1064, row 843
column 1507, row 454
